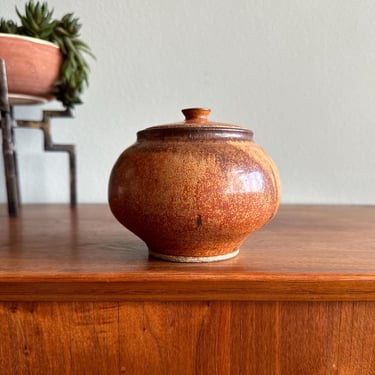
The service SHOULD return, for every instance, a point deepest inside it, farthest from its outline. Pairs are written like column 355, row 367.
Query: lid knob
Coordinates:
column 196, row 114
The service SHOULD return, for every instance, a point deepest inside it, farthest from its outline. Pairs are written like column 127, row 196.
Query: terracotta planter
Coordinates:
column 32, row 66
column 194, row 191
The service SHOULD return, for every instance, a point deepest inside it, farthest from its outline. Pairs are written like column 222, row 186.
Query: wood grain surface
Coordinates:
column 188, row 338
column 54, row 253
column 79, row 295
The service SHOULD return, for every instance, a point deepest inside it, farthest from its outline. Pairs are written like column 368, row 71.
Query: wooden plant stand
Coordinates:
column 8, row 124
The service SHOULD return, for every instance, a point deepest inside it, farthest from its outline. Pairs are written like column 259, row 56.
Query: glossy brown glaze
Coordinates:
column 194, row 191
column 32, row 65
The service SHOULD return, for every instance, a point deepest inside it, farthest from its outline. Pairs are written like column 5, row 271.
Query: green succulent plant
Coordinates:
column 38, row 22
column 8, row 26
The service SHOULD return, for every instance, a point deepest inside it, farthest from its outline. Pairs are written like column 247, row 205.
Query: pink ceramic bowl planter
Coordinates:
column 193, row 191
column 32, row 65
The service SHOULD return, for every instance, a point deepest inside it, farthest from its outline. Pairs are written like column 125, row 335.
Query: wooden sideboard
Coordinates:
column 79, row 295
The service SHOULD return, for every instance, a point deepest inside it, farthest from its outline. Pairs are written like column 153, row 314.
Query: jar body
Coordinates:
column 194, row 196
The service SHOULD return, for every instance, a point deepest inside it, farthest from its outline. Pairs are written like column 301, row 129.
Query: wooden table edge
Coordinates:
column 319, row 289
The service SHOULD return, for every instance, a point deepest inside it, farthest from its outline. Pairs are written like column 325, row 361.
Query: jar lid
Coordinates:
column 196, row 122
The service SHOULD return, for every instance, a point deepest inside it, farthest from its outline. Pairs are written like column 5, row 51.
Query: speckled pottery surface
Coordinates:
column 193, row 191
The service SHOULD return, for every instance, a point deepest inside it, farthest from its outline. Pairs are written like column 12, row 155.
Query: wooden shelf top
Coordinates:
column 55, row 253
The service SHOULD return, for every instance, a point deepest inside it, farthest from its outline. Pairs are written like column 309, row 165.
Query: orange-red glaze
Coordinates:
column 196, row 189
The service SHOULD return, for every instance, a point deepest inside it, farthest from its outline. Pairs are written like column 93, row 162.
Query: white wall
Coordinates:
column 300, row 74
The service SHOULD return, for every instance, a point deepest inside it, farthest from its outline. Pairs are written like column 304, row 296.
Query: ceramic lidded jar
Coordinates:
column 193, row 191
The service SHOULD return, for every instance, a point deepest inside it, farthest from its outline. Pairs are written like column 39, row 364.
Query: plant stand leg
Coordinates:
column 15, row 157
column 9, row 156
column 49, row 145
